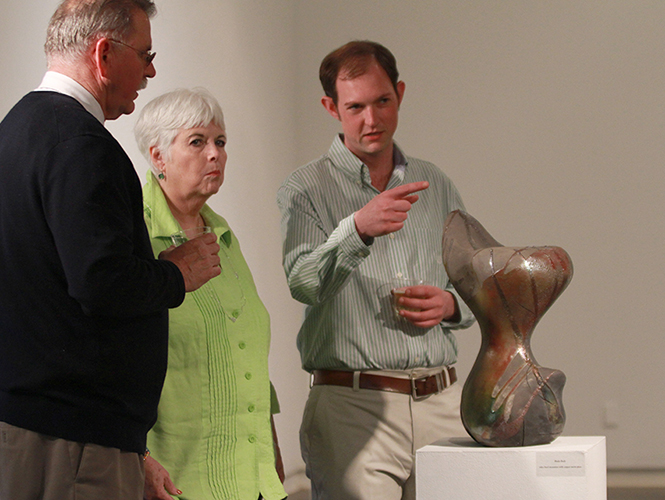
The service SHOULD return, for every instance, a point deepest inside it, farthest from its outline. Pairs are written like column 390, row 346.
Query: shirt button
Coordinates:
column 252, row 439
column 398, row 275
column 236, row 313
column 242, row 345
column 392, row 236
column 248, row 376
column 251, row 408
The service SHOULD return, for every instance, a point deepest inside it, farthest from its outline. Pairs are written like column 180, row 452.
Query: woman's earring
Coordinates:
column 161, row 176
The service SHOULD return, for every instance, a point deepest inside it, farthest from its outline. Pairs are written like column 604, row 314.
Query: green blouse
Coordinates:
column 213, row 433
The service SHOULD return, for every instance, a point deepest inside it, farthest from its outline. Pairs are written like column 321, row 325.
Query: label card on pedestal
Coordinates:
column 560, row 464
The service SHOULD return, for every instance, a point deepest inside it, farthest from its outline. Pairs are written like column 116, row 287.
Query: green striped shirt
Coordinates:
column 349, row 322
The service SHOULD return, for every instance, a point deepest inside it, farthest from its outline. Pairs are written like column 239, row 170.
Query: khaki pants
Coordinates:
column 38, row 467
column 360, row 445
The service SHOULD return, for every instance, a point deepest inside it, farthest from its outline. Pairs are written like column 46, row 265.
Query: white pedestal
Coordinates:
column 570, row 468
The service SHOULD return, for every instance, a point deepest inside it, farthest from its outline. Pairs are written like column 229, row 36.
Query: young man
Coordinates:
column 357, row 222
column 83, row 302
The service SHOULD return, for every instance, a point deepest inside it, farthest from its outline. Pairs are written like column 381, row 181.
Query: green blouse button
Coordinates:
column 242, row 345
column 248, row 376
column 235, row 313
column 251, row 408
column 252, row 439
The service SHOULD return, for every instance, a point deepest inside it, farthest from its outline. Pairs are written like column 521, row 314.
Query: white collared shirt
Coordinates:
column 57, row 82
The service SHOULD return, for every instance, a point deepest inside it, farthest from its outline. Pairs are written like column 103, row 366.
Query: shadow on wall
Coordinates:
column 301, row 495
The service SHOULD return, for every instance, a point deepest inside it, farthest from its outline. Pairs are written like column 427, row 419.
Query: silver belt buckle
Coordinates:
column 441, row 384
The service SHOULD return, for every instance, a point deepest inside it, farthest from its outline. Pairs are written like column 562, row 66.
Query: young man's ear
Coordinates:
column 400, row 92
column 330, row 106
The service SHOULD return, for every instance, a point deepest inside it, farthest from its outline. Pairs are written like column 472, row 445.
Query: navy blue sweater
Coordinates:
column 83, row 303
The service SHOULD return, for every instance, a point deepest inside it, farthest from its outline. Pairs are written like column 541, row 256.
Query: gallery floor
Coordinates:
column 622, row 485
column 636, row 494
column 612, row 494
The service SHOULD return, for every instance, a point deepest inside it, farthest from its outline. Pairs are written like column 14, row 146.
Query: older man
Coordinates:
column 83, row 302
column 354, row 231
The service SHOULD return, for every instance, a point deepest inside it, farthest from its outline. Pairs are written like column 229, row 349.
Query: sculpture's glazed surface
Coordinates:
column 508, row 400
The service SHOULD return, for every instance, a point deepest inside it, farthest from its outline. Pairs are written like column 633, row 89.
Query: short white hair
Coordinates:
column 164, row 117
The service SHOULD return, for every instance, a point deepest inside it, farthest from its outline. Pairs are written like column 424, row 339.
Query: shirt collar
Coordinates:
column 351, row 165
column 162, row 222
column 57, row 82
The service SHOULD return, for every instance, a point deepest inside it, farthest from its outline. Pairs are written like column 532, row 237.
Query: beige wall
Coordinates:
column 549, row 117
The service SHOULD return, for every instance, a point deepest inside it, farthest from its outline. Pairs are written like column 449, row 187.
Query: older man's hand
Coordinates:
column 197, row 259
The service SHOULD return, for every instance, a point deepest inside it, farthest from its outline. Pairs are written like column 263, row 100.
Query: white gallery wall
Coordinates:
column 548, row 116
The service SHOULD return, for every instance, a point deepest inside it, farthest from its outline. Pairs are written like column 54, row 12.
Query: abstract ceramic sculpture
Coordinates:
column 508, row 400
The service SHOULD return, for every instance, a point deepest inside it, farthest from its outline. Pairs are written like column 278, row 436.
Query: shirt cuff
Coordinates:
column 350, row 241
column 466, row 316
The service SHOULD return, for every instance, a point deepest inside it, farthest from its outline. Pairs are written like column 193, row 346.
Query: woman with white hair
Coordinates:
column 214, row 433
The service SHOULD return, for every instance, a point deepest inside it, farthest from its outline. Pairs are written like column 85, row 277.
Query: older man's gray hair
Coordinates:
column 76, row 24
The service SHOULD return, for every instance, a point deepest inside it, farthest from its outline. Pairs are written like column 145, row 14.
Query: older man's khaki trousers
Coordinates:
column 38, row 467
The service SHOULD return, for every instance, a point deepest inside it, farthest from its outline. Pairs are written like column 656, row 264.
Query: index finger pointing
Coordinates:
column 407, row 189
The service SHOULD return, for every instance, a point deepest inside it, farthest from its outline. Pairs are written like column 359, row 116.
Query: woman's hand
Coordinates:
column 158, row 484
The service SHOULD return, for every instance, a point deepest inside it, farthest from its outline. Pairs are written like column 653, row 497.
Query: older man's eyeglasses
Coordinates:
column 146, row 55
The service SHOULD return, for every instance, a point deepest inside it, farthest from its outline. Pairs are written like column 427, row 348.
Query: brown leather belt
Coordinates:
column 417, row 387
